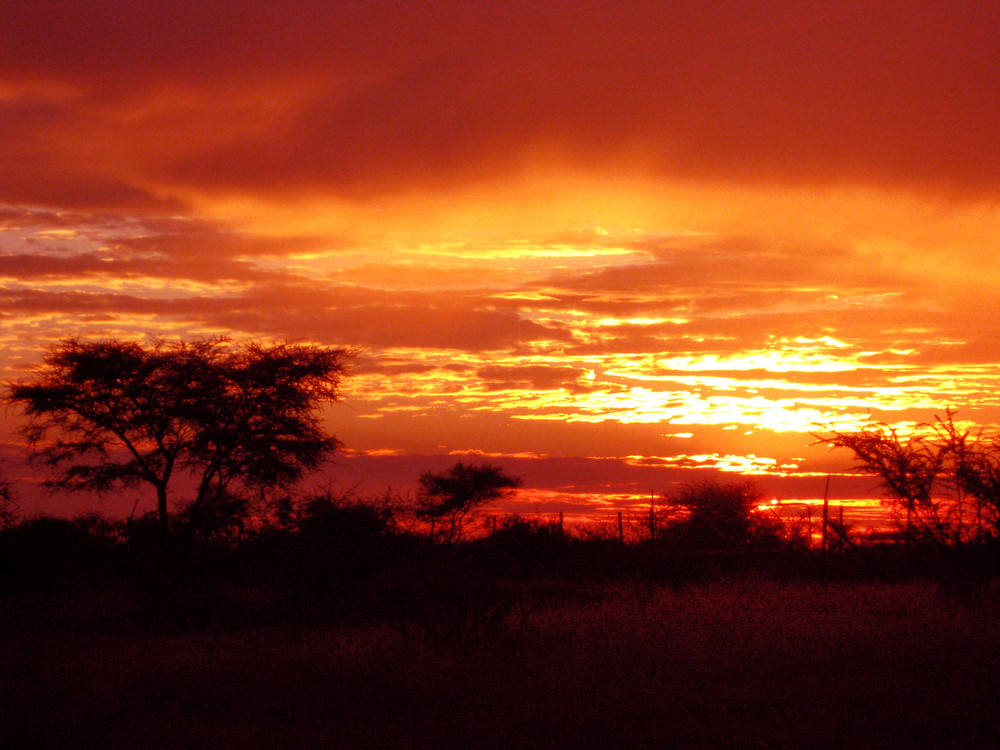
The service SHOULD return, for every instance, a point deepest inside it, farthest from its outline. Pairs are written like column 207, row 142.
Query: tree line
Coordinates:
column 222, row 432
column 240, row 425
column 228, row 429
column 239, row 422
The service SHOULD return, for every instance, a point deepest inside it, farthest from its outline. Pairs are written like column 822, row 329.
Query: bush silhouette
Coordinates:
column 719, row 516
column 46, row 552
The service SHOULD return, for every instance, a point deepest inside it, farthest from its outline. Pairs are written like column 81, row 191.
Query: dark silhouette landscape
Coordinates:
column 256, row 614
column 488, row 374
column 347, row 627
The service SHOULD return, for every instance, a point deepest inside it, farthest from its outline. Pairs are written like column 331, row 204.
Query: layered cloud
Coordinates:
column 653, row 238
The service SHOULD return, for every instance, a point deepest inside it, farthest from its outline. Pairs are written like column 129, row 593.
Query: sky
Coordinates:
column 612, row 247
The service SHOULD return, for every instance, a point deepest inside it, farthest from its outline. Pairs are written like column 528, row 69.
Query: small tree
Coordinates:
column 931, row 473
column 718, row 515
column 120, row 413
column 448, row 497
column 975, row 469
column 910, row 467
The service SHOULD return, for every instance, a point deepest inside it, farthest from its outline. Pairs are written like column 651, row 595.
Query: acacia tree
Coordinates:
column 711, row 514
column 932, row 474
column 232, row 416
column 451, row 495
column 975, row 468
column 910, row 468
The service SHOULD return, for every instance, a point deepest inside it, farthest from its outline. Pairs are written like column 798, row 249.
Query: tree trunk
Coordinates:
column 161, row 509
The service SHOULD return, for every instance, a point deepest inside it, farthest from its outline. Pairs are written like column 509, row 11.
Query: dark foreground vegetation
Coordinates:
column 347, row 628
column 244, row 618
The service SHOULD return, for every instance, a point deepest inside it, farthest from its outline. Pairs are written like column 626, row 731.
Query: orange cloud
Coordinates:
column 568, row 230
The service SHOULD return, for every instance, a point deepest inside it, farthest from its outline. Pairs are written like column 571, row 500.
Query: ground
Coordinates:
column 731, row 663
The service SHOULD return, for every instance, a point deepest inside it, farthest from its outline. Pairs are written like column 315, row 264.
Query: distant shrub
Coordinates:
column 8, row 506
column 715, row 515
column 44, row 551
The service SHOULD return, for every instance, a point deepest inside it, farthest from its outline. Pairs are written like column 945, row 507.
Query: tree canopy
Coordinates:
column 116, row 413
column 929, row 471
column 451, row 495
column 718, row 515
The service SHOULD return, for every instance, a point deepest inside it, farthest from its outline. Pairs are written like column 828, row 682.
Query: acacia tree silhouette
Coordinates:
column 975, row 466
column 229, row 415
column 451, row 495
column 909, row 467
column 934, row 461
column 718, row 515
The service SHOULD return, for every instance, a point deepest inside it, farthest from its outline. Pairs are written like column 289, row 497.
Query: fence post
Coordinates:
column 621, row 529
column 840, row 542
column 826, row 515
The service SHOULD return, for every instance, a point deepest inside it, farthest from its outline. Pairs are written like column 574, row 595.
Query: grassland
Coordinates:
column 742, row 661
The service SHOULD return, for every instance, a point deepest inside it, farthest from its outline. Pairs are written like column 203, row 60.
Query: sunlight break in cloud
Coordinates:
column 548, row 226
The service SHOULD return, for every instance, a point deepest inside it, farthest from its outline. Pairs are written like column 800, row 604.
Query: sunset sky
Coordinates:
column 611, row 246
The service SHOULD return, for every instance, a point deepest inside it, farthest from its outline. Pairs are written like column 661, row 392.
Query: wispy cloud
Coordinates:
column 563, row 234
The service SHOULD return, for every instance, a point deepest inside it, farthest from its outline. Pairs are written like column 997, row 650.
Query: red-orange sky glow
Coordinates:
column 611, row 246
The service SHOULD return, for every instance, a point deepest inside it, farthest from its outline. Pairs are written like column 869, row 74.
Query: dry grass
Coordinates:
column 740, row 663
